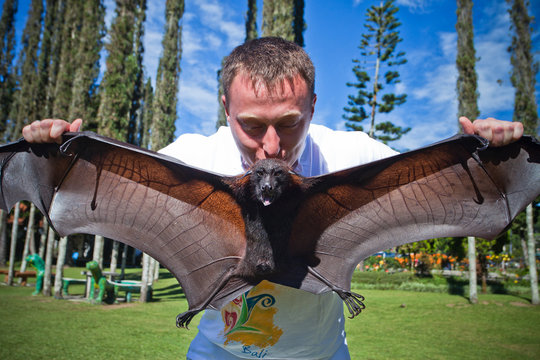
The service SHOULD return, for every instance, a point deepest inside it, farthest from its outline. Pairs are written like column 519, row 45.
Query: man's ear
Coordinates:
column 313, row 105
column 224, row 102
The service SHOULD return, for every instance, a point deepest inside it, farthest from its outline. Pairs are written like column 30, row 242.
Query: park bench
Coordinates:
column 66, row 282
column 24, row 275
column 131, row 287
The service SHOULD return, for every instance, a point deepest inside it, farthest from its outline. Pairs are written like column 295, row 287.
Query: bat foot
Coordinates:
column 183, row 320
column 353, row 301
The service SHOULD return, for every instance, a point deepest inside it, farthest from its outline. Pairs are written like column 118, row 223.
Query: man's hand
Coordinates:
column 49, row 130
column 498, row 132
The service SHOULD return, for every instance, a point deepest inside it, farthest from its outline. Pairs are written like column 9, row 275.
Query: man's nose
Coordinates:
column 271, row 142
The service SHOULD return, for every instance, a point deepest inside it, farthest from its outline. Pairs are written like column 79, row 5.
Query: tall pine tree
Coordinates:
column 251, row 20
column 284, row 18
column 143, row 129
column 251, row 33
column 168, row 74
column 70, row 15
column 466, row 61
column 378, row 46
column 26, row 99
column 136, row 111
column 524, row 70
column 277, row 17
column 53, row 35
column 7, row 54
column 164, row 104
column 84, row 89
column 467, row 103
column 118, row 85
column 299, row 25
column 45, row 58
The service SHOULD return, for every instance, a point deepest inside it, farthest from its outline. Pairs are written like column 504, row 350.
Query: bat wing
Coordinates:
column 457, row 187
column 182, row 216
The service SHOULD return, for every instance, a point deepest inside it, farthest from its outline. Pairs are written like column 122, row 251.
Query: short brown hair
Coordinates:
column 268, row 61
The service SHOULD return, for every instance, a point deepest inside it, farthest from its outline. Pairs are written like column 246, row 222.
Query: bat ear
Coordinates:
column 249, row 172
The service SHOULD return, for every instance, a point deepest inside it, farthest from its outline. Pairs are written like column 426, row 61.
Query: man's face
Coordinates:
column 269, row 125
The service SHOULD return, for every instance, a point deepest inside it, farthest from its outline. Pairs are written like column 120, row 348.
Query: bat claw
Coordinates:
column 353, row 301
column 183, row 320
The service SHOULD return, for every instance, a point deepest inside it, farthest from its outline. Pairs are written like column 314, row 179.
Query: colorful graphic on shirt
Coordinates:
column 249, row 319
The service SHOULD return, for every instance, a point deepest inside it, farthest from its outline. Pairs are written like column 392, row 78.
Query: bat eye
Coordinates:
column 278, row 172
column 260, row 172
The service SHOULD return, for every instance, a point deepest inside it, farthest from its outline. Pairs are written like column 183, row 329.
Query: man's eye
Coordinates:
column 289, row 125
column 252, row 128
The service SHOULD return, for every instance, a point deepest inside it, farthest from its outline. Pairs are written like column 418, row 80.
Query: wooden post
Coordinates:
column 13, row 245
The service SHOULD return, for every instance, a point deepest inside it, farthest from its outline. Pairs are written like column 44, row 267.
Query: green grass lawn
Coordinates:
column 428, row 326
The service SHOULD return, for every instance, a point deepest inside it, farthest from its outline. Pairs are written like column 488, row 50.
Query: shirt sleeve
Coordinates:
column 345, row 149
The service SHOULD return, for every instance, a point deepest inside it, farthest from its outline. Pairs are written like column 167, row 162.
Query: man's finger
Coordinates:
column 57, row 129
column 466, row 125
column 75, row 125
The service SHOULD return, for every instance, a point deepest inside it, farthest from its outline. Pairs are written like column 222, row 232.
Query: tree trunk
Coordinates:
column 114, row 257
column 532, row 256
column 99, row 241
column 3, row 237
column 482, row 262
column 156, row 271
column 13, row 246
column 124, row 259
column 48, row 263
column 524, row 249
column 43, row 238
column 473, row 292
column 62, row 246
column 146, row 260
column 375, row 91
column 29, row 237
column 32, row 242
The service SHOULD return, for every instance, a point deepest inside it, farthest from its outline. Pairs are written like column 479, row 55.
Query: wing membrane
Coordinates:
column 183, row 217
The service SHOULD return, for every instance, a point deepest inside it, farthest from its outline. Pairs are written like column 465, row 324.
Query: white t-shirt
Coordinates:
column 272, row 321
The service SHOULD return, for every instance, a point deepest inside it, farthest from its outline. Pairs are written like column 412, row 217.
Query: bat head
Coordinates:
column 269, row 180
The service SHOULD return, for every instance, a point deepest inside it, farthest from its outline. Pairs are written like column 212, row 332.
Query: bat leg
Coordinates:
column 183, row 319
column 352, row 300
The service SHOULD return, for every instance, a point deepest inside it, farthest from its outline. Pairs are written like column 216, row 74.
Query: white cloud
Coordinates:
column 494, row 62
column 198, row 100
column 448, row 44
column 433, row 93
column 214, row 17
column 209, row 34
column 153, row 35
column 439, row 85
column 415, row 6
column 191, row 45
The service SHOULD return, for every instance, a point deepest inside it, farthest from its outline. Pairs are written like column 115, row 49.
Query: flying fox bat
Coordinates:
column 221, row 235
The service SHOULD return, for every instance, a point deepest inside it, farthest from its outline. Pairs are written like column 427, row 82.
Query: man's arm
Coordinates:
column 49, row 130
column 498, row 132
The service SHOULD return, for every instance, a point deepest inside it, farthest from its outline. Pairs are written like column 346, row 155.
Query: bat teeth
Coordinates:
column 267, row 197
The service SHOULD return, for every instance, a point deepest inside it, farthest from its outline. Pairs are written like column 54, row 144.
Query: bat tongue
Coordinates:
column 267, row 200
column 267, row 197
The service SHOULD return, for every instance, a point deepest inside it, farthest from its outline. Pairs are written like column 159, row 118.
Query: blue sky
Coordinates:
column 211, row 29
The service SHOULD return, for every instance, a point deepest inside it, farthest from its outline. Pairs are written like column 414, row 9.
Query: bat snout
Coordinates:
column 268, row 194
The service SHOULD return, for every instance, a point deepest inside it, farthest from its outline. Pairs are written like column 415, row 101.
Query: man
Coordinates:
column 269, row 101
